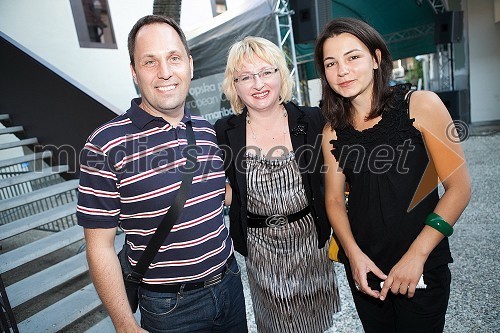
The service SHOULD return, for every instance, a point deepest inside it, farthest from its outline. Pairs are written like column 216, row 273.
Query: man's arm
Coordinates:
column 106, row 274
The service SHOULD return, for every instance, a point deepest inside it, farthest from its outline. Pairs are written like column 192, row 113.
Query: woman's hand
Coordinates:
column 404, row 276
column 361, row 265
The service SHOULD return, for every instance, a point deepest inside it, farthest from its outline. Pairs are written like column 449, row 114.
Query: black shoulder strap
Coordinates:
column 173, row 213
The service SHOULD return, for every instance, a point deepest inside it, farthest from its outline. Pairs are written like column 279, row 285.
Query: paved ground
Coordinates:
column 474, row 302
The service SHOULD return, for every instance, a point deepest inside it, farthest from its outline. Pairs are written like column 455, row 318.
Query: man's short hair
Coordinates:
column 151, row 19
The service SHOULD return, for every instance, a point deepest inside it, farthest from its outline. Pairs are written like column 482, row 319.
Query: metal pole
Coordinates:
column 281, row 10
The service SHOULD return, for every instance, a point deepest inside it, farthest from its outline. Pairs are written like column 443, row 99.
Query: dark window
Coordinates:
column 220, row 7
column 93, row 23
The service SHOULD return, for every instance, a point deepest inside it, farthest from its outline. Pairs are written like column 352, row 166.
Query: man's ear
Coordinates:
column 133, row 73
column 378, row 59
column 191, row 65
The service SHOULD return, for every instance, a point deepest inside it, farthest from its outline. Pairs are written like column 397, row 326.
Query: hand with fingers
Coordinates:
column 361, row 265
column 403, row 277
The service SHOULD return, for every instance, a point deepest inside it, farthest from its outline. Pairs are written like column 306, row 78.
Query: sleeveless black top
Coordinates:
column 383, row 166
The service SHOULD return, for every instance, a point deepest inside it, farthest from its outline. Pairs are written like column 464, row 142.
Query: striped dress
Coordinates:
column 292, row 282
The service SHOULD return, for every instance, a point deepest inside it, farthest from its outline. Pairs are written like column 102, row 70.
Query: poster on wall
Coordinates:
column 206, row 98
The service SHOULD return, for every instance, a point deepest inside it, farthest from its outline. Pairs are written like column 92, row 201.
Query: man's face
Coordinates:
column 162, row 71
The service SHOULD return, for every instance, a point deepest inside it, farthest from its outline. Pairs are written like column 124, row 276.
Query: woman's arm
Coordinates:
column 229, row 195
column 440, row 136
column 360, row 264
column 434, row 122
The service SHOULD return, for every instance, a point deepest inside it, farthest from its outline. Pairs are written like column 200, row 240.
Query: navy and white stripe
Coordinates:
column 130, row 176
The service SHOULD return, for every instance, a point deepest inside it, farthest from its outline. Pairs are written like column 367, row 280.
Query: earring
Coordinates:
column 285, row 114
column 248, row 119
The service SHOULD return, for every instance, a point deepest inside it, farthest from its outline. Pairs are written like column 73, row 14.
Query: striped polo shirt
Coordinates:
column 129, row 177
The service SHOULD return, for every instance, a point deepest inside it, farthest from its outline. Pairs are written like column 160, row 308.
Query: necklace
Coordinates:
column 283, row 117
column 253, row 133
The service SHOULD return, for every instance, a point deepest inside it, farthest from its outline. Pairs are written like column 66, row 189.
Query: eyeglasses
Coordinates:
column 264, row 74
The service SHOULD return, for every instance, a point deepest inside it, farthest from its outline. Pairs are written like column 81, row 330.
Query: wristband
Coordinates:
column 437, row 222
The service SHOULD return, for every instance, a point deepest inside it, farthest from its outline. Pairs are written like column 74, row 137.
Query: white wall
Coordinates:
column 484, row 55
column 234, row 3
column 47, row 29
column 195, row 13
column 315, row 91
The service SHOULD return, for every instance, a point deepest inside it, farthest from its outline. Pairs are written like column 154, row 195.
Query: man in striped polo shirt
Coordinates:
column 130, row 175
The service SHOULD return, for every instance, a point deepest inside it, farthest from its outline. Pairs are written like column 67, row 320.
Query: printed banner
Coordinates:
column 206, row 98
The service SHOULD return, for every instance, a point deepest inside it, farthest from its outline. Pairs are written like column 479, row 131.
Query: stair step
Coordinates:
column 19, row 143
column 39, row 248
column 29, row 176
column 10, row 130
column 51, row 277
column 4, row 117
column 34, row 221
column 61, row 314
column 47, row 279
column 25, row 158
column 104, row 326
column 38, row 194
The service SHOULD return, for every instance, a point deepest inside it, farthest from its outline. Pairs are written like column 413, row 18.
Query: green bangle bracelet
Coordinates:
column 437, row 222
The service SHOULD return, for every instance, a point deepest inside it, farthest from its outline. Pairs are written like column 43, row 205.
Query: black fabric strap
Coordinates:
column 173, row 213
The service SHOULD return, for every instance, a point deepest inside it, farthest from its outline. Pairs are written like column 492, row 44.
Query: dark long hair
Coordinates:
column 337, row 109
column 151, row 19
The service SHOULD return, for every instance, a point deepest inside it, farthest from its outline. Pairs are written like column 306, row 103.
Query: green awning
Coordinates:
column 406, row 25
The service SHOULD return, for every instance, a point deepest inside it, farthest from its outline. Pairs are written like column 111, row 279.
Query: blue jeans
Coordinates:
column 218, row 308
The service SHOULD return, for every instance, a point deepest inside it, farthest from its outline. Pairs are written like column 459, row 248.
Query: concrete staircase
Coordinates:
column 42, row 259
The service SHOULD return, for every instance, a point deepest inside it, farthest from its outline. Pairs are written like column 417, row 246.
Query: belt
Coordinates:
column 277, row 220
column 175, row 288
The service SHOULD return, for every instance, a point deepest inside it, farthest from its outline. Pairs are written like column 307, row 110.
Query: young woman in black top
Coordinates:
column 381, row 142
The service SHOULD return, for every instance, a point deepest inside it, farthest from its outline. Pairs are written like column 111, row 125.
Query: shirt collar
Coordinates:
column 141, row 118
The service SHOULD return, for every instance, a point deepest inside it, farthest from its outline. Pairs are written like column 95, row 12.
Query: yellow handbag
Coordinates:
column 333, row 249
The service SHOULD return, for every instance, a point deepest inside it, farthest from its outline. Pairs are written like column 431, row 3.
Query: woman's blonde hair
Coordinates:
column 246, row 50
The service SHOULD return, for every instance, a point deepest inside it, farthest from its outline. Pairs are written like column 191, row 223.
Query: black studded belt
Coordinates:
column 175, row 288
column 277, row 220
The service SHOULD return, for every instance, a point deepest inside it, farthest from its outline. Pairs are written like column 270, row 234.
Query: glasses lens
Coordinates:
column 266, row 73
column 244, row 78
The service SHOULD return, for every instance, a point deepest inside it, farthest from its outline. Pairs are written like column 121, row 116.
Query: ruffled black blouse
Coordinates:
column 383, row 166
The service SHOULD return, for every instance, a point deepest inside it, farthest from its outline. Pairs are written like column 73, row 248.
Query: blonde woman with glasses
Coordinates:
column 277, row 216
